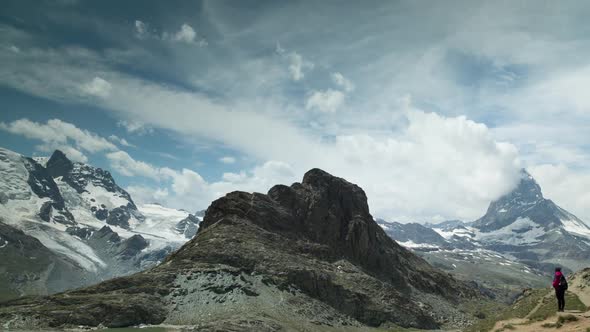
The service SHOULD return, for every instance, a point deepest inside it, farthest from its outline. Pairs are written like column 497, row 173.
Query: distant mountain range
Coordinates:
column 521, row 228
column 65, row 224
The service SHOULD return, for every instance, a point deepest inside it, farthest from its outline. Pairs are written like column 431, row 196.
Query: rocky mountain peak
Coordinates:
column 59, row 164
column 527, row 191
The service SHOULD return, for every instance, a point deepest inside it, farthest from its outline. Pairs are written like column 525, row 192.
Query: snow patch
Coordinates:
column 411, row 244
column 521, row 231
column 576, row 226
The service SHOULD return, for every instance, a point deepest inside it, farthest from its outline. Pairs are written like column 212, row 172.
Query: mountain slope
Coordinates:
column 83, row 220
column 301, row 256
column 414, row 235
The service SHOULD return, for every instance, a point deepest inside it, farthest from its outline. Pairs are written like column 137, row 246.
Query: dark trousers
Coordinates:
column 560, row 294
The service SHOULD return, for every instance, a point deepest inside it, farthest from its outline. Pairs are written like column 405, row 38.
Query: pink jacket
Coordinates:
column 556, row 279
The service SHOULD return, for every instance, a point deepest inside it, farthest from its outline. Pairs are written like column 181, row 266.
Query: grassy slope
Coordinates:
column 520, row 309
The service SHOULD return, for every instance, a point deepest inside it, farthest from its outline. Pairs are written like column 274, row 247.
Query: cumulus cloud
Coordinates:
column 97, row 87
column 125, row 165
column 297, row 64
column 227, row 160
column 188, row 190
column 325, row 101
column 186, row 34
column 57, row 134
column 342, row 81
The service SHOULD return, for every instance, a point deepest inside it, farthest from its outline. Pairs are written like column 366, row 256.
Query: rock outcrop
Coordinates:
column 300, row 256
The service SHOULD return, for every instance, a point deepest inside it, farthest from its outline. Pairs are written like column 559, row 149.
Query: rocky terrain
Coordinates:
column 309, row 255
column 66, row 225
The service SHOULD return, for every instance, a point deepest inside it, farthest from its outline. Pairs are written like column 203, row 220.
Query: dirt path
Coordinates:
column 580, row 325
column 570, row 320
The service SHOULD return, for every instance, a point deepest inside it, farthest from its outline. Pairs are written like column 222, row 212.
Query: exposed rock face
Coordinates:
column 306, row 254
column 26, row 261
column 59, row 165
column 42, row 185
column 119, row 217
column 188, row 226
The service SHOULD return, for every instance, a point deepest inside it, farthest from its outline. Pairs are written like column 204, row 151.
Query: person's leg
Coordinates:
column 563, row 300
column 557, row 296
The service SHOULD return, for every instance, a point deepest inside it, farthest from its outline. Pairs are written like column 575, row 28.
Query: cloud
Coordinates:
column 504, row 72
column 57, row 134
column 342, row 81
column 427, row 166
column 121, row 141
column 14, row 49
column 125, row 165
column 297, row 65
column 186, row 34
column 188, row 190
column 135, row 127
column 325, row 101
column 141, row 29
column 227, row 160
column 97, row 87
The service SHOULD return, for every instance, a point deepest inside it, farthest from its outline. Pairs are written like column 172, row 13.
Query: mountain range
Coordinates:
column 522, row 231
column 303, row 257
column 66, row 224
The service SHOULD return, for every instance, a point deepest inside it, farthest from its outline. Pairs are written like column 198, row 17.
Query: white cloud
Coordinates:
column 14, row 49
column 97, row 87
column 186, row 34
column 141, row 29
column 121, row 141
column 297, row 65
column 57, row 134
column 125, row 165
column 135, row 127
column 343, row 82
column 227, row 160
column 325, row 101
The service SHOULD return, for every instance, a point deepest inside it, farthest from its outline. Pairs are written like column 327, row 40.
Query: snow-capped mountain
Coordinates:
column 522, row 226
column 414, row 235
column 65, row 224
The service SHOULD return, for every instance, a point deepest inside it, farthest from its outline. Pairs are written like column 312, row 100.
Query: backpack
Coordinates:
column 563, row 283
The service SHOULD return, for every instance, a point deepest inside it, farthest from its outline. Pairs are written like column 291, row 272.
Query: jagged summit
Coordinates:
column 298, row 257
column 59, row 164
column 525, row 201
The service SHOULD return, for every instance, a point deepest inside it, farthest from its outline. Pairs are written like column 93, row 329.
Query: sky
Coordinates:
column 431, row 107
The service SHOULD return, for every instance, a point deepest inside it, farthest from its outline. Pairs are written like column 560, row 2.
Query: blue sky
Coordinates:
column 431, row 107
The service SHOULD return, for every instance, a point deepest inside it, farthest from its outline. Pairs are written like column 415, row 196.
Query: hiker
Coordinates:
column 560, row 285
